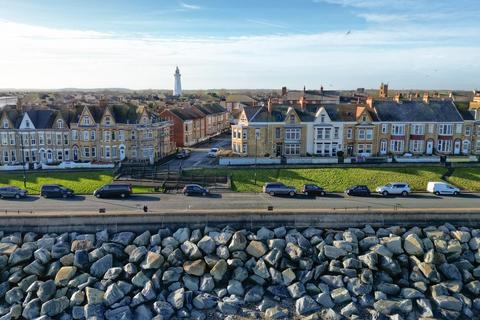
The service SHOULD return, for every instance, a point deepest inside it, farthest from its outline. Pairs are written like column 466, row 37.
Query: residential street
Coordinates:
column 199, row 154
column 233, row 201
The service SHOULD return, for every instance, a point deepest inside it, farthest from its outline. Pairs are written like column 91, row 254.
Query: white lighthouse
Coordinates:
column 177, row 90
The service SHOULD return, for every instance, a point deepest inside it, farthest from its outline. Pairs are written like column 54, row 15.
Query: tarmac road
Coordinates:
column 165, row 203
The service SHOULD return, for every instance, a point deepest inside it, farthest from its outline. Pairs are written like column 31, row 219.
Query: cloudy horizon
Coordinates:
column 340, row 44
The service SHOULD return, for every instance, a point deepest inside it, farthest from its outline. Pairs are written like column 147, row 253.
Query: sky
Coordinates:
column 247, row 44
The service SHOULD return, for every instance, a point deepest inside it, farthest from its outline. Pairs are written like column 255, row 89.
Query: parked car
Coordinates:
column 113, row 191
column 183, row 154
column 313, row 190
column 278, row 188
column 213, row 152
column 195, row 189
column 439, row 188
column 359, row 190
column 12, row 192
column 397, row 188
column 55, row 191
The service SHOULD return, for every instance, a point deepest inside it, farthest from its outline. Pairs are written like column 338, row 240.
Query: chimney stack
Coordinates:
column 269, row 106
column 383, row 90
column 370, row 102
column 426, row 98
column 321, row 90
column 398, row 97
column 302, row 103
column 284, row 91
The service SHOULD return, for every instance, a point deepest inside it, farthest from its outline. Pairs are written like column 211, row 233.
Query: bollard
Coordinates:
column 270, row 208
column 101, row 210
column 145, row 208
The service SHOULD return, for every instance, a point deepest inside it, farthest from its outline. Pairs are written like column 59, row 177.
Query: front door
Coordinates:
column 383, row 147
column 457, row 146
column 49, row 156
column 429, row 149
column 278, row 150
column 122, row 152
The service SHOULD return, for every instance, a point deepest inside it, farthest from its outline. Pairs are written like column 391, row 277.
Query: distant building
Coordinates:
column 177, row 90
column 383, row 90
column 295, row 97
column 8, row 101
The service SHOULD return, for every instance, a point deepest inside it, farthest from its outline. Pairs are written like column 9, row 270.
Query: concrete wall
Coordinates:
column 432, row 159
column 243, row 161
column 330, row 160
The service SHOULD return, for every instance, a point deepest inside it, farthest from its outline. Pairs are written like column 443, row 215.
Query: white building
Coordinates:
column 177, row 90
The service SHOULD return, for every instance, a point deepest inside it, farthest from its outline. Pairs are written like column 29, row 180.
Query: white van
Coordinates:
column 439, row 188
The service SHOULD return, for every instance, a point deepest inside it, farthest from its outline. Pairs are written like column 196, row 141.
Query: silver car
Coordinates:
column 395, row 188
column 12, row 192
column 278, row 188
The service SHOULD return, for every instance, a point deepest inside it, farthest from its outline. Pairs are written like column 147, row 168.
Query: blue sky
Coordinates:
column 431, row 44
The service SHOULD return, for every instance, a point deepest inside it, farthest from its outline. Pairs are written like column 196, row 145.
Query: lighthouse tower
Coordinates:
column 177, row 90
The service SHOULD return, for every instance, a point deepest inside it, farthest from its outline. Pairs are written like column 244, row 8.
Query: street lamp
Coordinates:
column 257, row 134
column 23, row 162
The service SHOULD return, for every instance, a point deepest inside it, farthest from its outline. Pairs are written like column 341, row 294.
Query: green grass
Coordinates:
column 333, row 179
column 466, row 178
column 83, row 182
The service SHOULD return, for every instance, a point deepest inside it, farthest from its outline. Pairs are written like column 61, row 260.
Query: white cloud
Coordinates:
column 189, row 6
column 39, row 57
column 383, row 18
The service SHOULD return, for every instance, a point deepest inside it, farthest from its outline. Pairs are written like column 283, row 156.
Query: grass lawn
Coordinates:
column 333, row 179
column 466, row 178
column 82, row 182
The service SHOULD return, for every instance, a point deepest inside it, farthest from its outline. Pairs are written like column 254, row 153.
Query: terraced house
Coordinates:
column 380, row 127
column 103, row 134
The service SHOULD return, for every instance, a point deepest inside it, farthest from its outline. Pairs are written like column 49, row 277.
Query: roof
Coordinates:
column 211, row 108
column 417, row 111
column 124, row 114
column 239, row 98
column 42, row 118
column 467, row 114
column 186, row 113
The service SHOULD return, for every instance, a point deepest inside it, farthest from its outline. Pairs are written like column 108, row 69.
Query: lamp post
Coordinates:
column 23, row 162
column 257, row 134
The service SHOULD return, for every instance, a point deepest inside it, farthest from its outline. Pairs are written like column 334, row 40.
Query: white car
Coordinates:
column 213, row 152
column 439, row 188
column 394, row 188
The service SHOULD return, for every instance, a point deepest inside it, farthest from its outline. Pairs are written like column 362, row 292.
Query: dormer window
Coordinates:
column 27, row 123
column 292, row 118
column 5, row 124
column 60, row 124
column 108, row 121
column 364, row 118
column 322, row 118
column 86, row 121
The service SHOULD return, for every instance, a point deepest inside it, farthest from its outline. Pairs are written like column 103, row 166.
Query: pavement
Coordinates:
column 233, row 203
column 199, row 154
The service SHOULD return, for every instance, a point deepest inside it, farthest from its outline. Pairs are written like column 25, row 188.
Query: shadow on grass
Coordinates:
column 26, row 199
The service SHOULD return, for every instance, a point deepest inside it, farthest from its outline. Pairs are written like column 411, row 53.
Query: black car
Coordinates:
column 113, row 191
column 195, row 189
column 55, row 191
column 12, row 192
column 313, row 190
column 359, row 190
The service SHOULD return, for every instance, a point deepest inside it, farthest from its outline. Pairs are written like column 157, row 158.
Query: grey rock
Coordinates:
column 101, row 266
column 448, row 302
column 143, row 239
column 196, row 268
column 176, row 298
column 148, row 291
column 293, row 251
column 204, row 301
column 54, row 307
column 163, row 309
column 19, row 256
column 219, row 270
column 334, row 252
column 94, row 311
column 413, row 245
column 324, row 300
column 32, row 309
column 340, row 295
column 265, row 234
column 140, row 279
column 191, row 250
column 14, row 295
column 123, row 238
column 306, row 305
column 296, row 290
column 182, row 234
column 143, row 312
column 277, row 312
column 121, row 313
column 207, row 245
column 254, row 294
column 235, row 287
column 46, row 290
column 390, row 307
column 137, row 254
column 207, row 283
column 152, row 260
column 256, row 249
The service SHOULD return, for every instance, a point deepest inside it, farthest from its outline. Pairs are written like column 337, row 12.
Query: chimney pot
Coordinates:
column 269, row 106
column 426, row 98
column 370, row 102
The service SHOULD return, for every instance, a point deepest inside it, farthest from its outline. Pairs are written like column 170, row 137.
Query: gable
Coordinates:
column 322, row 116
column 86, row 118
column 292, row 116
column 26, row 123
column 5, row 122
column 363, row 116
column 107, row 119
column 243, row 118
column 59, row 122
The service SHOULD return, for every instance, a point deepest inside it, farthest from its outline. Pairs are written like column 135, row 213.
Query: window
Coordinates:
column 397, row 146
column 327, row 133
column 364, row 149
column 320, row 133
column 458, row 128
column 364, row 118
column 67, row 155
column 384, row 128
column 292, row 118
column 106, row 136
column 94, row 152
column 33, row 139
column 257, row 133
column 431, row 128
column 113, row 135
column 418, row 129
column 468, row 131
column 336, row 131
column 114, row 151
column 150, row 134
column 444, row 145
column 41, row 138
column 27, row 123
column 25, row 139
column 398, row 129
column 59, row 155
column 74, row 135
column 60, row 124
column 292, row 149
column 12, row 138
column 5, row 156
column 361, row 134
column 58, row 139
column 292, row 134
column 13, row 156
column 86, row 152
column 86, row 120
column 322, row 118
column 107, row 121
column 383, row 146
column 5, row 126
column 244, row 148
column 4, row 138
column 349, row 133
column 85, row 136
column 107, row 152
column 466, row 147
column 445, row 129
column 65, row 138
column 369, row 134
column 416, row 146
column 121, row 135
column 244, row 134
column 93, row 135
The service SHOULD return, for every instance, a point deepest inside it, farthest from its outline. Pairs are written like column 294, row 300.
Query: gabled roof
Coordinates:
column 13, row 115
column 239, row 98
column 186, row 113
column 211, row 109
column 417, row 111
column 124, row 114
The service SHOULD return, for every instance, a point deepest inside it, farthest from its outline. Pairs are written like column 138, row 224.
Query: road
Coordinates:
column 198, row 156
column 235, row 202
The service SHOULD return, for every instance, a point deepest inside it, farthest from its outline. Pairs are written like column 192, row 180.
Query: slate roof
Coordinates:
column 42, row 118
column 186, row 113
column 417, row 111
column 211, row 109
column 467, row 115
column 125, row 114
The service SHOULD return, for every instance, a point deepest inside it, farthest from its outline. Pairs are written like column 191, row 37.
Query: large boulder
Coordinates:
column 195, row 268
column 413, row 245
column 306, row 305
column 256, row 249
column 101, row 266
